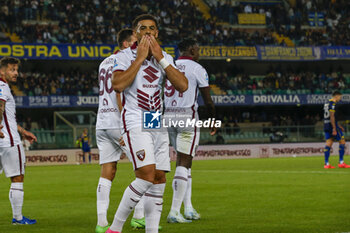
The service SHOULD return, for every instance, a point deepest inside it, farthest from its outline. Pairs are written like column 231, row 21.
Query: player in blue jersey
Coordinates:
column 85, row 144
column 333, row 131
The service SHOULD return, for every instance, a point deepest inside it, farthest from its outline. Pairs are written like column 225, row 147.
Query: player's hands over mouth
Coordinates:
column 155, row 48
column 1, row 133
column 29, row 136
column 143, row 48
column 334, row 132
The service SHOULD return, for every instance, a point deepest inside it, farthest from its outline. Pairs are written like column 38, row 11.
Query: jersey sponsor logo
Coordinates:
column 151, row 74
column 108, row 110
column 173, row 103
column 1, row 91
column 105, row 102
column 141, row 154
column 149, row 86
column 151, row 120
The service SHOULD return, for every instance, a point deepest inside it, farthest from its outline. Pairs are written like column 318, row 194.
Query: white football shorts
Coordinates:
column 148, row 147
column 108, row 145
column 12, row 160
column 184, row 140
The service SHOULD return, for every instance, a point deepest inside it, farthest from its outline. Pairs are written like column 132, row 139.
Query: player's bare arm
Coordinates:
column 2, row 109
column 119, row 102
column 26, row 134
column 123, row 79
column 120, row 107
column 332, row 116
column 205, row 92
column 177, row 79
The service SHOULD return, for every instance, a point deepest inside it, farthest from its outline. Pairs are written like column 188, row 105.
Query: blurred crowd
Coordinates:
column 287, row 19
column 76, row 82
column 97, row 21
column 276, row 82
column 274, row 118
column 71, row 82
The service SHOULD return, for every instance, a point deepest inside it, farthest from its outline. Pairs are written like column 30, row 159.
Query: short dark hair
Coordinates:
column 185, row 44
column 143, row 17
column 124, row 35
column 336, row 93
column 9, row 60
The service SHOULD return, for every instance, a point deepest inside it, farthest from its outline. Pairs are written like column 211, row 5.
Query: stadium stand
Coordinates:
column 75, row 82
column 97, row 21
column 277, row 82
column 71, row 82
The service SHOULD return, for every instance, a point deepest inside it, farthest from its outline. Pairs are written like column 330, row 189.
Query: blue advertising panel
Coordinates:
column 336, row 52
column 245, row 100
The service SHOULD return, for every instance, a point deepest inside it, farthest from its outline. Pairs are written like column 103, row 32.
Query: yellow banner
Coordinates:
column 251, row 18
column 224, row 51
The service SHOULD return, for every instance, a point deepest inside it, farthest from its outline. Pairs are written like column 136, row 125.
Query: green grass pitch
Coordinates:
column 246, row 195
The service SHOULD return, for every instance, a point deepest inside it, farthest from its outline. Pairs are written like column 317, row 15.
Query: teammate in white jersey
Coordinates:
column 139, row 73
column 108, row 131
column 12, row 157
column 185, row 140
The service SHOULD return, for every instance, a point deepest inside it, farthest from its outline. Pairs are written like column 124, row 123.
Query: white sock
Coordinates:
column 16, row 198
column 102, row 193
column 153, row 207
column 188, row 195
column 139, row 210
column 131, row 197
column 179, row 187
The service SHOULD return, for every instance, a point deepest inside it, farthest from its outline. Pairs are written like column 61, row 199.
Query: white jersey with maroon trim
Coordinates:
column 9, row 123
column 144, row 94
column 197, row 78
column 108, row 115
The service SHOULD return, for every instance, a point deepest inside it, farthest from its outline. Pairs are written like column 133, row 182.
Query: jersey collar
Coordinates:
column 185, row 57
column 1, row 79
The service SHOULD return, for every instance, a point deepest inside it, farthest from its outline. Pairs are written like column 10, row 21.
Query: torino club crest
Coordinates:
column 141, row 154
